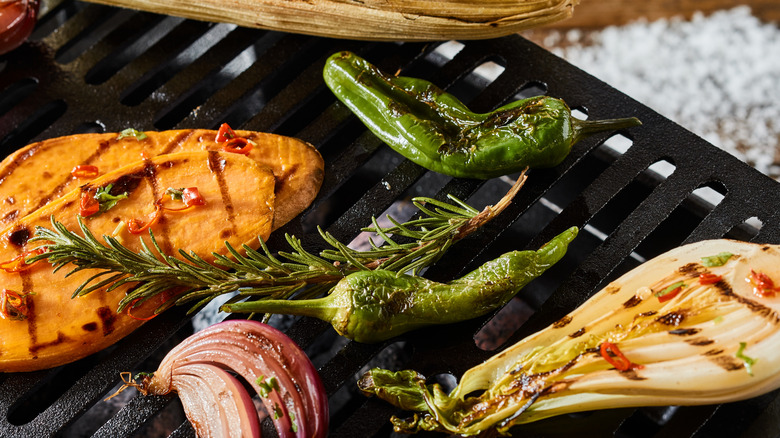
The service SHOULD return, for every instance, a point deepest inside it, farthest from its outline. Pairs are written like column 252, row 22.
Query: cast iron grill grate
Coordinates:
column 93, row 68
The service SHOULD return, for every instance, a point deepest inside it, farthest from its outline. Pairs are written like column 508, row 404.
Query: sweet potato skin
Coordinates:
column 40, row 172
column 239, row 196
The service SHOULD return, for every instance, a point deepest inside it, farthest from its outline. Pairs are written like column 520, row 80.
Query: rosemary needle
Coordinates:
column 259, row 273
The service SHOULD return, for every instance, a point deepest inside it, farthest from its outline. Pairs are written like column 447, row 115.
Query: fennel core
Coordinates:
column 373, row 306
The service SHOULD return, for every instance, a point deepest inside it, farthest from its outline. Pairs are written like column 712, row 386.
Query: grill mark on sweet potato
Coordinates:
column 60, row 339
column 10, row 216
column 176, row 141
column 285, row 175
column 107, row 318
column 217, row 166
column 19, row 160
column 150, row 171
column 19, row 236
column 126, row 183
column 32, row 328
column 103, row 146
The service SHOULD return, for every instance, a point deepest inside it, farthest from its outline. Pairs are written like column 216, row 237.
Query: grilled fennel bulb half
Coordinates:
column 376, row 20
column 696, row 325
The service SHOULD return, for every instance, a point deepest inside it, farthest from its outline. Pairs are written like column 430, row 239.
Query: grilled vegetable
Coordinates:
column 56, row 328
column 437, row 131
column 41, row 172
column 399, row 20
column 373, row 306
column 715, row 340
column 200, row 371
column 17, row 20
column 262, row 275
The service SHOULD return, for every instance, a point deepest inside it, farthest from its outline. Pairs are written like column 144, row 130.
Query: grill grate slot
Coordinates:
column 93, row 68
column 144, row 29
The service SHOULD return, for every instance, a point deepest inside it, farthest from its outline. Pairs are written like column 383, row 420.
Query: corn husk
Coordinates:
column 377, row 20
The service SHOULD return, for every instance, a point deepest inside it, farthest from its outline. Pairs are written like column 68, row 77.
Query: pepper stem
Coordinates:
column 584, row 128
column 322, row 308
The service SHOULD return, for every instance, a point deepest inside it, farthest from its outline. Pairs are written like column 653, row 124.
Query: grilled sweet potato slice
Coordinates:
column 57, row 329
column 40, row 172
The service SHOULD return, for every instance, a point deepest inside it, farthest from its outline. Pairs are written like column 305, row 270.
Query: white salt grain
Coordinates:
column 716, row 75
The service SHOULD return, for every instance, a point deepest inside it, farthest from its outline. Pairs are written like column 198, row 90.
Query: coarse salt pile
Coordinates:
column 718, row 75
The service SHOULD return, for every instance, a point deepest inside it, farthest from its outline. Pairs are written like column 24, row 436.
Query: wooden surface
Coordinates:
column 600, row 13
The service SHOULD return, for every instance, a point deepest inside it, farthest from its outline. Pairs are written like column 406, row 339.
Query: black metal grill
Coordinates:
column 92, row 68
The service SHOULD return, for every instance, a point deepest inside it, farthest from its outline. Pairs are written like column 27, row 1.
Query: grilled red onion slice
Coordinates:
column 17, row 20
column 200, row 385
column 199, row 370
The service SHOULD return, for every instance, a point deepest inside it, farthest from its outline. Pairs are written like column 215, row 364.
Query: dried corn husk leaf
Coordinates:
column 378, row 20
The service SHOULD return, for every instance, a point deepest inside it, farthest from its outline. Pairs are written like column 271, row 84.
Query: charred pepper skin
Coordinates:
column 437, row 131
column 374, row 306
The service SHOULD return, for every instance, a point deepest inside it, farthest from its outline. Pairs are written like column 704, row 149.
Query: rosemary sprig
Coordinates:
column 258, row 273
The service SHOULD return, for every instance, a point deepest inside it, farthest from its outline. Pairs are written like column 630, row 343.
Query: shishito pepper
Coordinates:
column 373, row 306
column 437, row 131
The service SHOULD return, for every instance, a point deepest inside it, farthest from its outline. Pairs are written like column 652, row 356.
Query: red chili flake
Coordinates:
column 669, row 292
column 763, row 286
column 238, row 146
column 612, row 354
column 166, row 296
column 135, row 226
column 88, row 205
column 85, row 171
column 191, row 196
column 670, row 295
column 225, row 133
column 13, row 305
column 709, row 278
column 19, row 263
column 138, row 318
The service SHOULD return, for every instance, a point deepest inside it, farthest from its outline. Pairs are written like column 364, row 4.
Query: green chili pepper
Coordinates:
column 372, row 306
column 437, row 131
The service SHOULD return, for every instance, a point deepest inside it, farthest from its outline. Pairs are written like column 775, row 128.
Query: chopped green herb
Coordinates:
column 670, row 288
column 266, row 385
column 718, row 319
column 716, row 260
column 143, row 374
column 749, row 361
column 106, row 200
column 130, row 132
column 175, row 194
column 277, row 411
column 293, row 425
